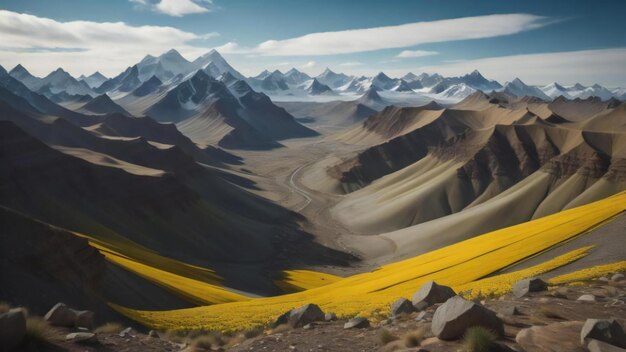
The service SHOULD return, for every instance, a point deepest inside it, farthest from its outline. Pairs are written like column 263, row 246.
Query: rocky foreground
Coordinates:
column 588, row 316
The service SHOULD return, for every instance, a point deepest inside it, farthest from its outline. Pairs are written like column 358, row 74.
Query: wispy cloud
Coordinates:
column 109, row 46
column 401, row 36
column 350, row 64
column 415, row 53
column 309, row 64
column 176, row 8
column 604, row 66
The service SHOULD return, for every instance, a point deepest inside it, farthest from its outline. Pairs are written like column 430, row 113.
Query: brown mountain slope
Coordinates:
column 201, row 219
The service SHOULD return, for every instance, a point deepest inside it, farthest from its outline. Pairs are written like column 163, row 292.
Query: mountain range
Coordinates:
column 177, row 184
column 171, row 68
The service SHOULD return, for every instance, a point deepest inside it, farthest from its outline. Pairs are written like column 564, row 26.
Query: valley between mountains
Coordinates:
column 182, row 195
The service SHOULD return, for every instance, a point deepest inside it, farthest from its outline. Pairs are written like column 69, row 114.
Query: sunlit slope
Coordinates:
column 300, row 280
column 371, row 293
column 193, row 283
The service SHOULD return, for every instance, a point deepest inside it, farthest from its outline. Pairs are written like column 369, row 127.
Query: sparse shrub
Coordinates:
column 385, row 336
column 208, row 341
column 39, row 331
column 252, row 333
column 414, row 338
column 549, row 313
column 560, row 292
column 479, row 339
column 109, row 328
column 394, row 346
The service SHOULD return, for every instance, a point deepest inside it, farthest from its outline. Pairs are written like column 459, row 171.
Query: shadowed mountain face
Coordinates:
column 207, row 111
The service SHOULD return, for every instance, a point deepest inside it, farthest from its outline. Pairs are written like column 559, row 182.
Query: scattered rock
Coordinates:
column 305, row 315
column 86, row 338
column 599, row 346
column 587, row 298
column 308, row 326
column 431, row 293
column 533, row 284
column 330, row 317
column 128, row 332
column 61, row 315
column 604, row 279
column 357, row 322
column 555, row 337
column 153, row 333
column 617, row 277
column 281, row 320
column 12, row 328
column 605, row 330
column 454, row 317
column 421, row 315
column 401, row 306
column 510, row 310
column 84, row 319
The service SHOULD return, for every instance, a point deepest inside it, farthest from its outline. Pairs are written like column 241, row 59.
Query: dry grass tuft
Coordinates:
column 39, row 331
column 479, row 339
column 280, row 329
column 415, row 337
column 207, row 342
column 385, row 336
column 109, row 328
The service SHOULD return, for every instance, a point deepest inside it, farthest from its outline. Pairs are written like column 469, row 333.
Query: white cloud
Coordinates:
column 350, row 64
column 42, row 44
column 415, row 53
column 406, row 35
column 179, row 8
column 604, row 66
column 309, row 64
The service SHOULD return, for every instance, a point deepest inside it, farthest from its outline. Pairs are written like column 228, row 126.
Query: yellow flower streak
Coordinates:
column 370, row 294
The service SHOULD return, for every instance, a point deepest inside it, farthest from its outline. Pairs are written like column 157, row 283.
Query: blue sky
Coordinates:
column 539, row 41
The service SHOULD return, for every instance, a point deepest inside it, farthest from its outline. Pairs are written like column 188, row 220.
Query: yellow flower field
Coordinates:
column 370, row 294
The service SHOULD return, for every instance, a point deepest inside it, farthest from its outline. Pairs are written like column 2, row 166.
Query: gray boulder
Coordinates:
column 510, row 310
column 431, row 293
column 555, row 337
column 617, row 277
column 599, row 346
column 605, row 330
column 86, row 338
column 128, row 332
column 281, row 320
column 587, row 298
column 357, row 323
column 421, row 316
column 401, row 306
column 304, row 315
column 454, row 317
column 12, row 328
column 533, row 284
column 330, row 316
column 61, row 315
column 84, row 319
column 153, row 333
